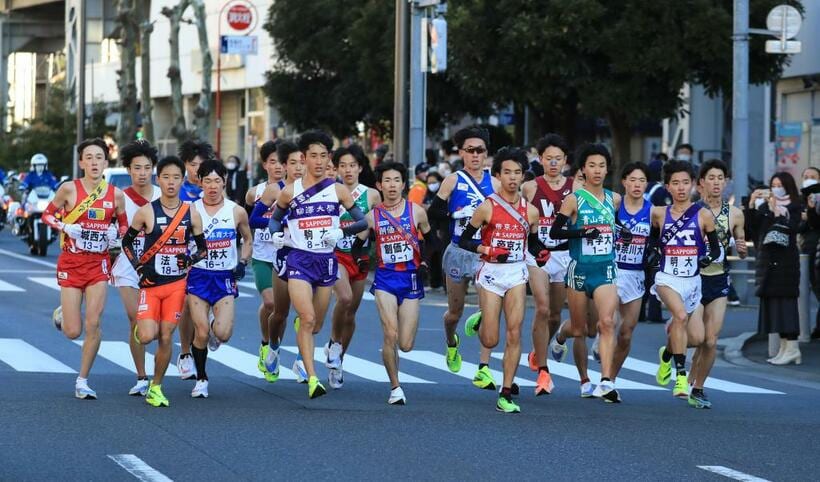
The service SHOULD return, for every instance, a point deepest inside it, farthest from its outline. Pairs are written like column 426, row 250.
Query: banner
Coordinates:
column 787, row 147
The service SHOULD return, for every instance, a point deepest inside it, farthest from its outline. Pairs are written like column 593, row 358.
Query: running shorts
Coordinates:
column 555, row 267
column 81, row 270
column 317, row 269
column 499, row 278
column 459, row 263
column 162, row 302
column 713, row 287
column 346, row 261
column 262, row 274
column 631, row 285
column 588, row 277
column 211, row 286
column 404, row 285
column 687, row 288
column 123, row 274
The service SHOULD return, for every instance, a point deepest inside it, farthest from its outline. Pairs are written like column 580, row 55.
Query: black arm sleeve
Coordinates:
column 534, row 244
column 466, row 241
column 358, row 249
column 201, row 248
column 714, row 244
column 558, row 232
column 128, row 246
column 360, row 223
column 275, row 223
column 438, row 210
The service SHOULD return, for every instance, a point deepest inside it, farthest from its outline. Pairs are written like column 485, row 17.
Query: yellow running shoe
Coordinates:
column 483, row 379
column 454, row 357
column 296, row 325
column 263, row 352
column 664, row 374
column 681, row 389
column 155, row 397
column 315, row 389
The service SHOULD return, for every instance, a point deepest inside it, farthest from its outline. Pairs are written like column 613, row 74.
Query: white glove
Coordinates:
column 332, row 237
column 73, row 231
column 278, row 240
column 112, row 234
column 465, row 212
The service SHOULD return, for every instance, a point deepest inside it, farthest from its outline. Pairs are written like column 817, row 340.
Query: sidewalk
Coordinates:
column 757, row 350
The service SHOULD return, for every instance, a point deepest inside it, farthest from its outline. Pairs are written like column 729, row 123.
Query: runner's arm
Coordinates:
column 739, row 232
column 137, row 225
column 199, row 238
column 708, row 223
column 534, row 244
column 480, row 217
column 56, row 205
column 438, row 211
column 122, row 219
column 257, row 218
column 558, row 230
column 359, row 222
column 244, row 230
column 280, row 209
column 430, row 241
column 623, row 232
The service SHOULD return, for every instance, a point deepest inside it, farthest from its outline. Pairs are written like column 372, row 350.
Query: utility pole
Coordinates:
column 418, row 97
column 75, row 172
column 400, row 78
column 740, row 99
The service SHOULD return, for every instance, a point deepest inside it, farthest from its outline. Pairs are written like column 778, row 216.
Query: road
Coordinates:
column 763, row 426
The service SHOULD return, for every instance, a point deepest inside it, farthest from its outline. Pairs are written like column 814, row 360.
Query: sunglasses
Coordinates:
column 475, row 150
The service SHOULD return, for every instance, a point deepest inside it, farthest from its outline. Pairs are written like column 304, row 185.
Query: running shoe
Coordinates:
column 596, row 355
column 699, row 400
column 532, row 361
column 587, row 390
column 213, row 342
column 155, row 397
column 263, row 354
column 454, row 357
column 598, row 392
column 57, row 318
column 315, row 389
column 506, row 405
column 200, row 389
column 84, row 392
column 472, row 324
column 186, row 367
column 558, row 350
column 296, row 325
column 397, row 397
column 136, row 337
column 333, row 354
column 483, row 379
column 608, row 392
column 140, row 389
column 664, row 374
column 335, row 378
column 543, row 384
column 681, row 389
column 271, row 365
column 299, row 370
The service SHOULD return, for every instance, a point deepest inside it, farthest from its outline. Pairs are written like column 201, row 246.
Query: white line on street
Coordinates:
column 439, row 362
column 360, row 367
column 730, row 473
column 27, row 271
column 26, row 358
column 48, row 282
column 244, row 362
column 139, row 469
column 119, row 353
column 9, row 287
column 28, row 258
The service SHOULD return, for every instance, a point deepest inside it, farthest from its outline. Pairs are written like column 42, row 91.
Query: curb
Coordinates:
column 733, row 349
column 733, row 353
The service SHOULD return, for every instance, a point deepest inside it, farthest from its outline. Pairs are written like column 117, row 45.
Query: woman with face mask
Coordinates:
column 236, row 185
column 774, row 216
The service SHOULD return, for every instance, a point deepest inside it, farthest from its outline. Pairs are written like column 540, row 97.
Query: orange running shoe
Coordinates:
column 533, row 363
column 544, row 384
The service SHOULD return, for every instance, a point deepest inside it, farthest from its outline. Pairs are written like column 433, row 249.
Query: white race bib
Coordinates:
column 92, row 241
column 397, row 251
column 681, row 260
column 632, row 253
column 600, row 246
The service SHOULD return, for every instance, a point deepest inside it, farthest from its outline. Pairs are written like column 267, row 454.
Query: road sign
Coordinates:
column 239, row 44
column 240, row 17
column 785, row 20
column 783, row 47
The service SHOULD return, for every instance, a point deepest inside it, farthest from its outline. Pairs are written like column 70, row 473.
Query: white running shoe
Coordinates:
column 186, row 367
column 272, row 361
column 333, row 355
column 608, row 392
column 335, row 378
column 84, row 392
column 596, row 355
column 213, row 342
column 299, row 371
column 57, row 318
column 397, row 397
column 200, row 389
column 558, row 351
column 140, row 389
column 587, row 390
column 599, row 391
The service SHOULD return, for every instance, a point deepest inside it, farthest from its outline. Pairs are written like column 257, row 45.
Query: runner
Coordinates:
column 312, row 205
column 634, row 214
column 162, row 262
column 212, row 281
column 401, row 255
column 714, row 279
column 509, row 229
column 547, row 283
column 458, row 197
column 138, row 158
column 591, row 212
column 192, row 153
column 349, row 288
column 290, row 156
column 264, row 253
column 88, row 207
column 676, row 246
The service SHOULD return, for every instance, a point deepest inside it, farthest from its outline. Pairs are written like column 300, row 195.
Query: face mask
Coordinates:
column 230, row 166
column 433, row 187
column 759, row 202
column 809, row 182
column 684, row 157
column 778, row 191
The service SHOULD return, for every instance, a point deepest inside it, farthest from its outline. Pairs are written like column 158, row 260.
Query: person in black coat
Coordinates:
column 236, row 184
column 774, row 218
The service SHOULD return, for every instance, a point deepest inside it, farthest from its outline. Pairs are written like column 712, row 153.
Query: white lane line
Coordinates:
column 566, row 370
column 27, row 271
column 139, row 469
column 244, row 362
column 9, row 287
column 368, row 296
column 439, row 362
column 48, row 282
column 360, row 367
column 730, row 473
column 714, row 383
column 246, row 284
column 25, row 358
column 28, row 258
column 119, row 353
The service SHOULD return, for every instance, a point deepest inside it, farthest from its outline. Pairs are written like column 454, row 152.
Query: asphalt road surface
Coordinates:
column 760, row 425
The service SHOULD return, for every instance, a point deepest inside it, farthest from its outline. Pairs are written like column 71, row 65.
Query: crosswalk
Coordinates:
column 417, row 366
column 246, row 289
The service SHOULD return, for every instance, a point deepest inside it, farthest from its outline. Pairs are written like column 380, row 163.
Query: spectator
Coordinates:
column 684, row 152
column 381, row 153
column 434, row 180
column 774, row 217
column 418, row 191
column 236, row 185
column 810, row 233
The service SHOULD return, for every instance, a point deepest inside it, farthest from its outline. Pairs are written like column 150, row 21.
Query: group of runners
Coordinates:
column 311, row 229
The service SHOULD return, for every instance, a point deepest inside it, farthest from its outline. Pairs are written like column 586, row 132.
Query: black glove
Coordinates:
column 591, row 233
column 362, row 262
column 147, row 274
column 652, row 257
column 183, row 261
column 626, row 236
column 423, row 273
column 704, row 261
column 239, row 271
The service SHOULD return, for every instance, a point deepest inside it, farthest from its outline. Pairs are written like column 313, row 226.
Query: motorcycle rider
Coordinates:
column 38, row 175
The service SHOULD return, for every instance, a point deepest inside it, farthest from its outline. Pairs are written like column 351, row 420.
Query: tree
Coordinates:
column 179, row 129
column 202, row 112
column 128, row 21
column 146, row 29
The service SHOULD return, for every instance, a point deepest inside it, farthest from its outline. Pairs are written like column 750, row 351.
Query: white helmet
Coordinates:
column 39, row 160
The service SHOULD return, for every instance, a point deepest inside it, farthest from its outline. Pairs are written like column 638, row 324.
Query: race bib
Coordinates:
column 165, row 262
column 459, row 228
column 396, row 251
column 139, row 245
column 262, row 236
column 313, row 229
column 600, row 246
column 515, row 246
column 681, row 260
column 544, row 226
column 92, row 241
column 633, row 252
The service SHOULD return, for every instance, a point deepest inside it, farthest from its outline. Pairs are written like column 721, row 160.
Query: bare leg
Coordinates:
column 606, row 302
column 514, row 305
column 629, row 317
column 540, row 324
column 705, row 354
column 94, row 303
column 388, row 313
column 163, row 355
column 130, row 299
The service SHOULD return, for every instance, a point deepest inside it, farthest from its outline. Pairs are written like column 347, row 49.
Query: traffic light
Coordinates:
column 437, row 44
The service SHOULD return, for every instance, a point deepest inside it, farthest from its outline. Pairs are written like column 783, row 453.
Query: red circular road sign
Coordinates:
column 240, row 17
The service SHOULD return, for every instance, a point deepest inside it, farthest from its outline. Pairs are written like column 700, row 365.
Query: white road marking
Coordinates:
column 244, row 362
column 566, row 370
column 360, row 367
column 139, row 469
column 26, row 358
column 730, row 473
column 9, row 287
column 48, row 282
column 439, row 362
column 27, row 271
column 119, row 353
column 30, row 259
